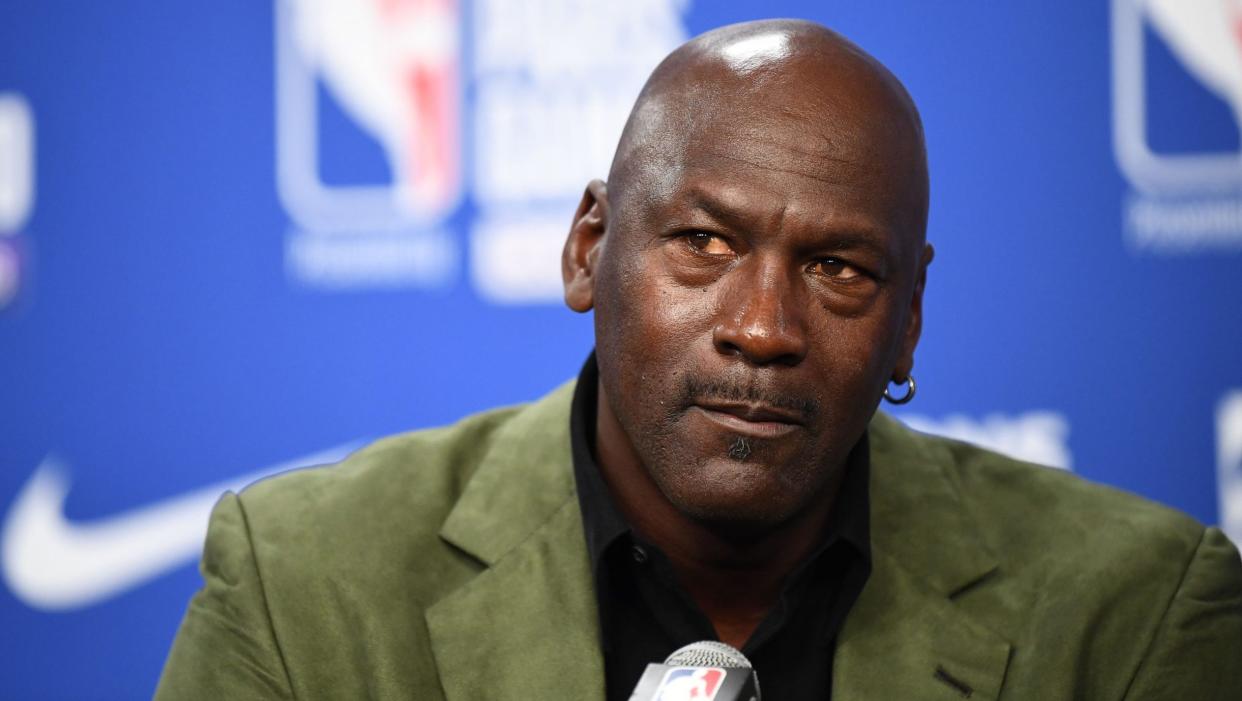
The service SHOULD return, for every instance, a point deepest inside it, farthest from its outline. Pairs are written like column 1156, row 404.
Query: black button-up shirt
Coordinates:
column 645, row 614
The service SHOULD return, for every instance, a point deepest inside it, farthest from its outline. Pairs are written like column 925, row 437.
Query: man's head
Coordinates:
column 756, row 264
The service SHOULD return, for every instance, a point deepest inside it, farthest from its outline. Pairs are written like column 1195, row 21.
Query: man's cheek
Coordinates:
column 686, row 312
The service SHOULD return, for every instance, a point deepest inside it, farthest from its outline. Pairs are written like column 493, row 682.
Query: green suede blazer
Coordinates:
column 451, row 564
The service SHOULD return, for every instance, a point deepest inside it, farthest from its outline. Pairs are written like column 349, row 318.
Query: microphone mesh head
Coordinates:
column 708, row 653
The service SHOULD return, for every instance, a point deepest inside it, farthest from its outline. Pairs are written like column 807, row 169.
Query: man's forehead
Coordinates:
column 808, row 144
column 803, row 101
column 821, row 136
column 762, row 101
column 788, row 147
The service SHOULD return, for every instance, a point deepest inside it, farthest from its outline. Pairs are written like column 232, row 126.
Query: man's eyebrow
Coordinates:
column 716, row 209
column 854, row 239
column 849, row 237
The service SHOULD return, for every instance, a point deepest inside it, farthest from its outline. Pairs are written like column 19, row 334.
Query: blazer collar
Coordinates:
column 525, row 475
column 917, row 513
column 527, row 627
column 906, row 637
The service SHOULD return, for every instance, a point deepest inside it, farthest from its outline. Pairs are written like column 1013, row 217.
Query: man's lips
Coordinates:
column 756, row 420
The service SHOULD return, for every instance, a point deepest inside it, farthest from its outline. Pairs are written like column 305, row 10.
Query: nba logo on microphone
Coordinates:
column 690, row 683
column 368, row 155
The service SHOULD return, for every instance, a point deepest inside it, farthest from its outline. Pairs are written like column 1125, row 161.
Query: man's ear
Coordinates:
column 582, row 248
column 914, row 322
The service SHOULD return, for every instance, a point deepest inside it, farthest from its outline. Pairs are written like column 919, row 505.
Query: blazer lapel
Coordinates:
column 905, row 637
column 527, row 626
column 902, row 642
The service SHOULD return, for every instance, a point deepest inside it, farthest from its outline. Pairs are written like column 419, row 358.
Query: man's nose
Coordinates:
column 762, row 317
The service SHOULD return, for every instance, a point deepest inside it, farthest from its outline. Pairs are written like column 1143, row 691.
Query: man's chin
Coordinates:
column 738, row 498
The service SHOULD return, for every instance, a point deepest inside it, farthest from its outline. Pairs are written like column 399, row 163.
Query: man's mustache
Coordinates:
column 696, row 389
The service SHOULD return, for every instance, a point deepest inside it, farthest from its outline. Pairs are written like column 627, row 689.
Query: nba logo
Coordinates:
column 392, row 67
column 686, row 683
column 1229, row 463
column 1204, row 38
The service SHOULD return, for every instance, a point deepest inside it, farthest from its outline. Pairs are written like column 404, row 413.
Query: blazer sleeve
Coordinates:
column 226, row 647
column 1197, row 650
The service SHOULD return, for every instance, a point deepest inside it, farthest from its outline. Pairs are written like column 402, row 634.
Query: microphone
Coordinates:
column 703, row 671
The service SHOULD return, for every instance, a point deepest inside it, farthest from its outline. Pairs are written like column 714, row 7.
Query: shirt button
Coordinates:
column 639, row 553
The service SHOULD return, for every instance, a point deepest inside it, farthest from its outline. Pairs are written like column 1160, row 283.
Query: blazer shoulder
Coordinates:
column 385, row 503
column 439, row 461
column 318, row 579
column 1032, row 513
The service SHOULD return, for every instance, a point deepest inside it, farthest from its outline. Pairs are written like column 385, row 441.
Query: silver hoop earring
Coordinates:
column 909, row 383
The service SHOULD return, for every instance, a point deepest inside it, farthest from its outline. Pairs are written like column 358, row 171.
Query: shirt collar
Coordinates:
column 602, row 521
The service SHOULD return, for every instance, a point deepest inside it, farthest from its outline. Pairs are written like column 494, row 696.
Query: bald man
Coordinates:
column 755, row 263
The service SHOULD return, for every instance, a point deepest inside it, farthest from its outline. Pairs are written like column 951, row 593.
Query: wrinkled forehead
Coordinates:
column 759, row 109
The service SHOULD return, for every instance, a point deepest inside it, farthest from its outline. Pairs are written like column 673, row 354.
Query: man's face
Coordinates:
column 758, row 284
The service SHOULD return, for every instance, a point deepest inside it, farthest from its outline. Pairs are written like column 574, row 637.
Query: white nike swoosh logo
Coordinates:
column 53, row 564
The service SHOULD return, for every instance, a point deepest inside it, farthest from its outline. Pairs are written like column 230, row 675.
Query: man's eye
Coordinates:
column 710, row 244
column 837, row 269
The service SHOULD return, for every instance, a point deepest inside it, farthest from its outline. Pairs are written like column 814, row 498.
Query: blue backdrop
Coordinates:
column 242, row 236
